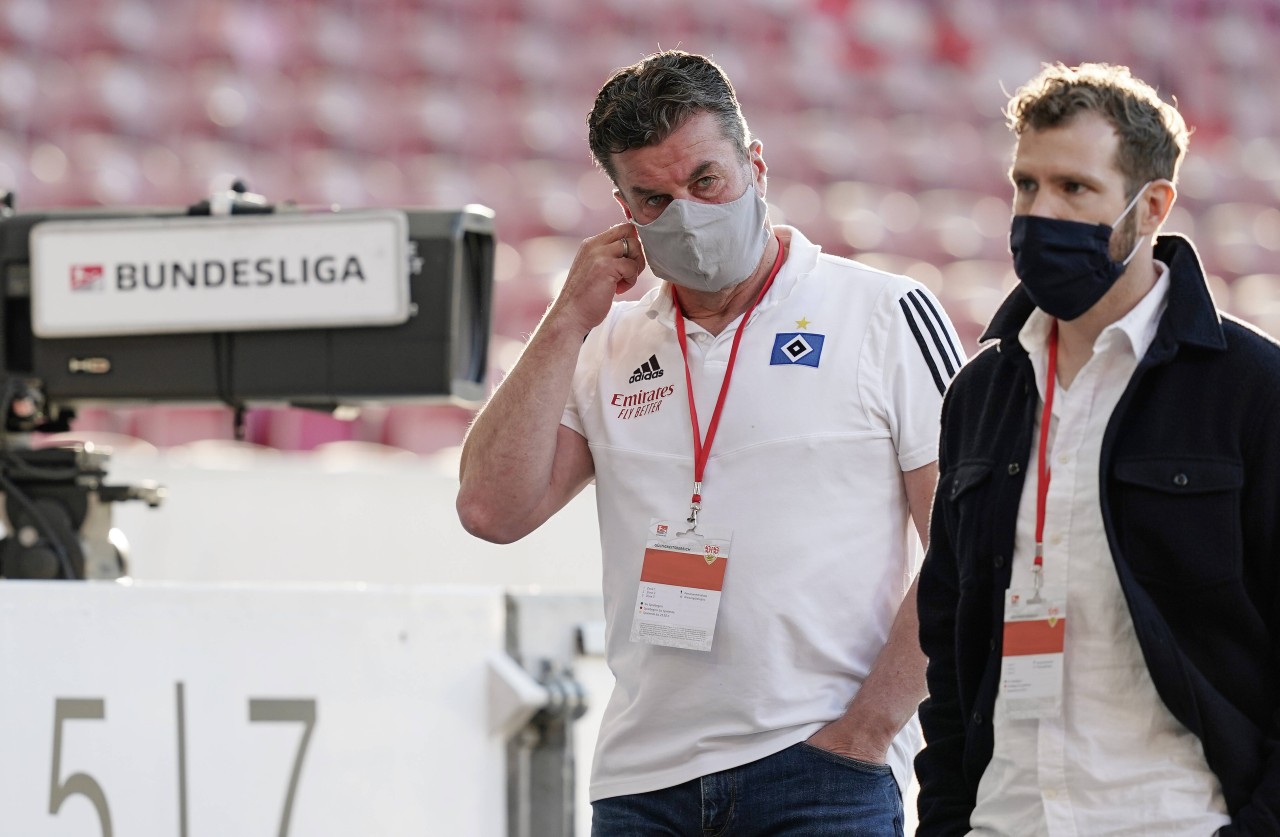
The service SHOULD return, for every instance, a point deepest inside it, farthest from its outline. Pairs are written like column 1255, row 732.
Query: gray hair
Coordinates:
column 643, row 104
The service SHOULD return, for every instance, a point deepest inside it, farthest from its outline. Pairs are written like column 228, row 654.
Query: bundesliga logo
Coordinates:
column 86, row 276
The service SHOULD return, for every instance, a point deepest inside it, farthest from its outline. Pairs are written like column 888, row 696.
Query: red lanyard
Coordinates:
column 701, row 447
column 1042, row 469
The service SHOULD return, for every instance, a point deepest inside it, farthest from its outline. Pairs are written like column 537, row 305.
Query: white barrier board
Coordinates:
column 234, row 710
column 268, row 516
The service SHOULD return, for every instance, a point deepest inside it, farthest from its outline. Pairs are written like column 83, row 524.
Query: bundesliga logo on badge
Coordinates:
column 86, row 277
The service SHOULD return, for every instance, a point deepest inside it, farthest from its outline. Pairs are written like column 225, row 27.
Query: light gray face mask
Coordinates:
column 706, row 246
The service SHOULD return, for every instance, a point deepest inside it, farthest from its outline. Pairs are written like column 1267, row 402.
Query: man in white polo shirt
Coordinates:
column 758, row 561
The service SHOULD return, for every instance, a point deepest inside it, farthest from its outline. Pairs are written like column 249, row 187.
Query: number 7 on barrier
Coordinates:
column 268, row 710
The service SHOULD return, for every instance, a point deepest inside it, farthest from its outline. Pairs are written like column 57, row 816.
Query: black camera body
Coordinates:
column 230, row 300
column 437, row 353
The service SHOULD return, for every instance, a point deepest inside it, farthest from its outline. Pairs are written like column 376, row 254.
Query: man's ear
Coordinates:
column 1158, row 201
column 626, row 210
column 759, row 171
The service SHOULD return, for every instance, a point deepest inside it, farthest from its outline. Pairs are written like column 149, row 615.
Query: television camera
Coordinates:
column 230, row 300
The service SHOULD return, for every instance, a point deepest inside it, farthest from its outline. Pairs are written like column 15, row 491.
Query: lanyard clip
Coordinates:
column 695, row 505
column 1037, row 573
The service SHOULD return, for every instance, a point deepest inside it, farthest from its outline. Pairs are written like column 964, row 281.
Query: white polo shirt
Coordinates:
column 836, row 392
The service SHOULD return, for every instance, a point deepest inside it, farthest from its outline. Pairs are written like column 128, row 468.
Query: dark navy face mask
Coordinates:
column 1066, row 266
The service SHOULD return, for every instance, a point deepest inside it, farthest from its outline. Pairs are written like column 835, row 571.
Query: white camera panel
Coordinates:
column 133, row 276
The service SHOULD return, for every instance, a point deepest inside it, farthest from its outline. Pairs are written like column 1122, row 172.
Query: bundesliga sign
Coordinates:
column 234, row 273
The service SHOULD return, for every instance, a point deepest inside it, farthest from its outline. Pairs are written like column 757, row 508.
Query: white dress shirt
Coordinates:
column 1116, row 761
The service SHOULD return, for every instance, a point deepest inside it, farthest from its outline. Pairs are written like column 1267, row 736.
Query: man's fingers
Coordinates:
column 621, row 241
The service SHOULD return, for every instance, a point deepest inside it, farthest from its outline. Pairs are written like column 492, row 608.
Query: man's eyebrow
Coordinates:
column 701, row 170
column 1016, row 174
column 698, row 172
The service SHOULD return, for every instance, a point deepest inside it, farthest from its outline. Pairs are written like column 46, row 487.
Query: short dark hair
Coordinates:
column 643, row 104
column 1153, row 136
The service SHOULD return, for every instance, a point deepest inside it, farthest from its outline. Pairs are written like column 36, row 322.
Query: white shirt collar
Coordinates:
column 1138, row 326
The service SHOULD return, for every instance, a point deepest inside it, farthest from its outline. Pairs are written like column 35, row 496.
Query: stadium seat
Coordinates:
column 888, row 113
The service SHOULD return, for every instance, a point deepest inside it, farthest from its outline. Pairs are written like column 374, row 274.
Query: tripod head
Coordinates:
column 57, row 512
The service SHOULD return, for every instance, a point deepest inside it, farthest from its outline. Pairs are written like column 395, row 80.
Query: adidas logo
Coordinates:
column 647, row 371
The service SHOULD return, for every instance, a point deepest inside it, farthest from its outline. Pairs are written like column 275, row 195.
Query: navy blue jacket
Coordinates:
column 1190, row 492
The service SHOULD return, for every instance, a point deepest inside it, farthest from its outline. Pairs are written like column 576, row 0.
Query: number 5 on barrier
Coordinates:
column 84, row 709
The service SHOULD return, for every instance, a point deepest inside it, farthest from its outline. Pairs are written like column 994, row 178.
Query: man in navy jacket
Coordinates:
column 1100, row 603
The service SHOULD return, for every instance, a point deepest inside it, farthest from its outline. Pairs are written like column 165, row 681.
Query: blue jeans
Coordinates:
column 802, row 791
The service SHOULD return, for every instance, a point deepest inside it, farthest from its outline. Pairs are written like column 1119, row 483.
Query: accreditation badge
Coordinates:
column 1031, row 664
column 681, row 578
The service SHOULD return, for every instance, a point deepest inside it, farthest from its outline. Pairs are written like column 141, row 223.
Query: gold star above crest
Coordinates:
column 803, row 322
